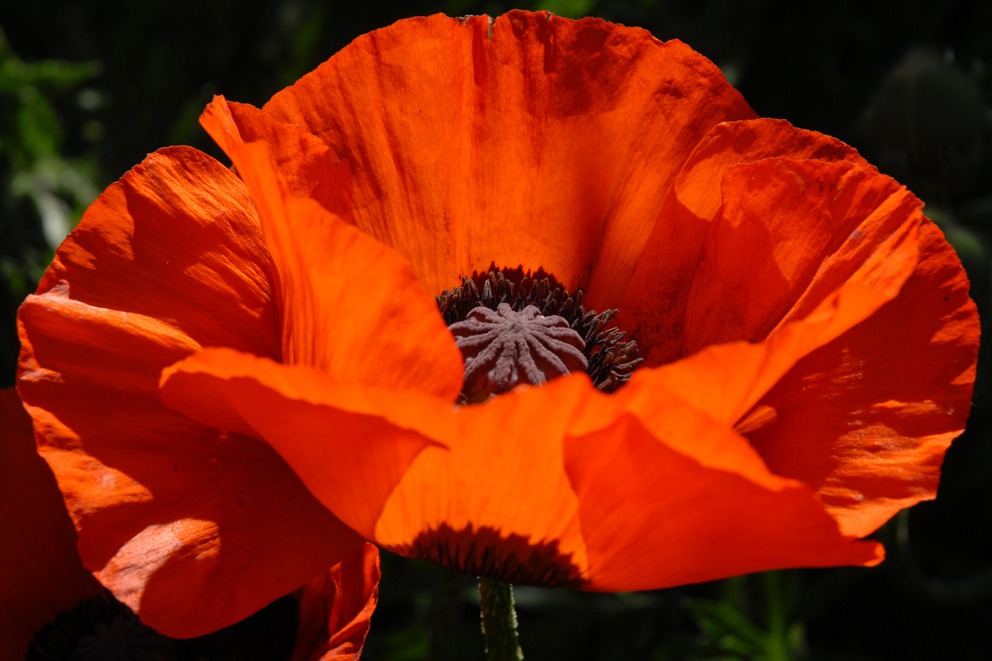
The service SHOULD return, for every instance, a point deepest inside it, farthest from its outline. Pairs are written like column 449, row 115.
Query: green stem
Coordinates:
column 499, row 621
column 778, row 642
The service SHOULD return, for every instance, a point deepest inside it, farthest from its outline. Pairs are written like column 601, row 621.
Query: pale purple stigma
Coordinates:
column 503, row 348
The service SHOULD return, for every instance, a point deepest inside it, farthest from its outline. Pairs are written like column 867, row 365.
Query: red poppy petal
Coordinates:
column 502, row 502
column 304, row 162
column 349, row 456
column 653, row 517
column 193, row 528
column 490, row 495
column 697, row 187
column 526, row 139
column 214, row 248
column 670, row 258
column 498, row 502
column 787, row 230
column 727, row 380
column 42, row 571
column 437, row 468
column 336, row 607
column 862, row 422
column 361, row 450
column 341, row 288
column 506, row 501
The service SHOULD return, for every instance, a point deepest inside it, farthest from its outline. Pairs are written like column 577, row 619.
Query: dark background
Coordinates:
column 88, row 87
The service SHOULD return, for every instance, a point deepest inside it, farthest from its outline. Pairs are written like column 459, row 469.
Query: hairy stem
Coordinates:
column 499, row 621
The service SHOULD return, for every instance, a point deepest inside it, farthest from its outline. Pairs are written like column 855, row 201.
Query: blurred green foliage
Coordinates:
column 730, row 633
column 45, row 193
column 88, row 87
column 567, row 8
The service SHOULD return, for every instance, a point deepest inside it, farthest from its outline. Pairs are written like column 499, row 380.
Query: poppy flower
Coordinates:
column 805, row 344
column 50, row 606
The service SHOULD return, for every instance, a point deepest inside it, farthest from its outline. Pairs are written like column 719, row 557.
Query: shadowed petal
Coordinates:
column 336, row 607
column 653, row 302
column 42, row 573
column 192, row 528
column 866, row 419
column 651, row 516
column 865, row 269
column 349, row 456
column 788, row 230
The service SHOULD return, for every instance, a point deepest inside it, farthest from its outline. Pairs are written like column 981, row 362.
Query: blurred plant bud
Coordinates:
column 926, row 125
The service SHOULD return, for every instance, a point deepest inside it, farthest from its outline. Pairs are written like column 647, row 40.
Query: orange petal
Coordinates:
column 498, row 502
column 526, row 139
column 193, row 528
column 488, row 489
column 341, row 288
column 850, row 284
column 396, row 465
column 336, row 607
column 787, row 230
column 732, row 143
column 42, row 571
column 304, row 162
column 502, row 498
column 866, row 419
column 401, row 468
column 653, row 303
column 348, row 456
column 214, row 253
column 653, row 517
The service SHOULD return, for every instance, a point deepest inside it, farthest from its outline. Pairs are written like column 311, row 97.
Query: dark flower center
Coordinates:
column 485, row 551
column 105, row 629
column 513, row 328
column 99, row 628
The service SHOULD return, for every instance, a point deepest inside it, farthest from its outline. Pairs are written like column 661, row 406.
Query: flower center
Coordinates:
column 102, row 628
column 513, row 329
column 485, row 551
column 504, row 348
column 99, row 628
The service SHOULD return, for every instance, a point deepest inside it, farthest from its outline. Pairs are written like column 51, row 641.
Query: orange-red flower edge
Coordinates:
column 775, row 281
